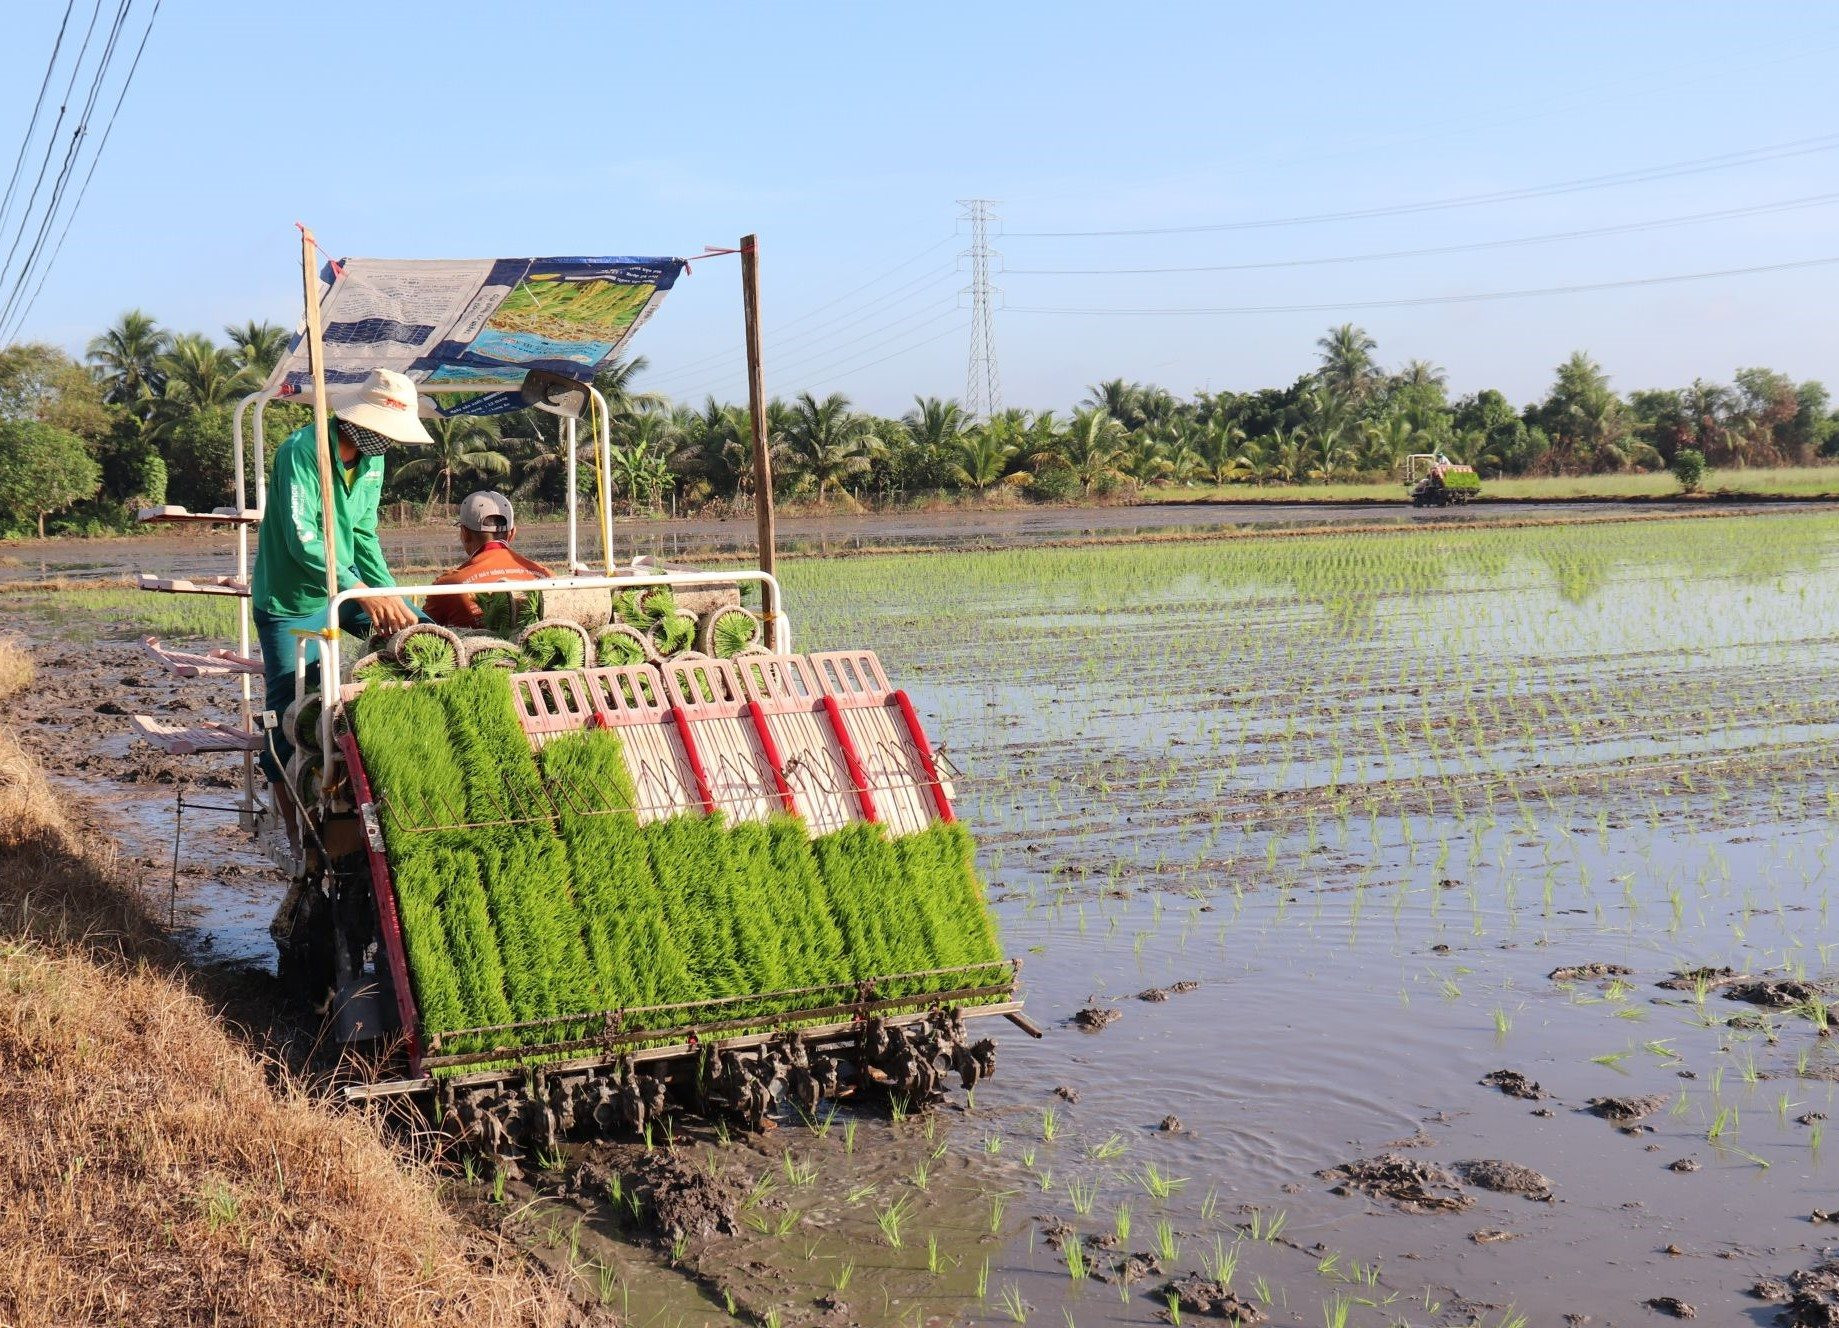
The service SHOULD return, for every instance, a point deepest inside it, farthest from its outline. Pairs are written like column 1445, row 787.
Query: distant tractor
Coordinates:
column 1433, row 480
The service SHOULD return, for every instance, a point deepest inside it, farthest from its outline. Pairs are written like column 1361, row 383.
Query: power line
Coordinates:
column 1627, row 228
column 51, row 140
column 831, row 378
column 1415, row 301
column 719, row 356
column 83, row 192
column 793, row 367
column 983, row 394
column 27, row 269
column 880, row 304
column 6, row 203
column 1695, row 166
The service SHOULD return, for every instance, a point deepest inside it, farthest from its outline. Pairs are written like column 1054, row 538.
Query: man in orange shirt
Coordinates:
column 487, row 528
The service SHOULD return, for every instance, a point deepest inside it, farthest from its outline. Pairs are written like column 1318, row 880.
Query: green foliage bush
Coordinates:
column 1689, row 468
column 556, row 901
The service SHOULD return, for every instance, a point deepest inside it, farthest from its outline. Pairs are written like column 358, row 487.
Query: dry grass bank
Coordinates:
column 150, row 1173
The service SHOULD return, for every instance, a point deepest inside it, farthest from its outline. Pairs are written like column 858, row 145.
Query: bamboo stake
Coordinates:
column 756, row 411
column 322, row 433
column 322, row 446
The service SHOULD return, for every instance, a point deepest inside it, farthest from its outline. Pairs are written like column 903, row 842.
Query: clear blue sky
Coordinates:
column 844, row 133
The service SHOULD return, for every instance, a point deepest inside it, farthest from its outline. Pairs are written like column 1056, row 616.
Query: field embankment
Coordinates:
column 152, row 1170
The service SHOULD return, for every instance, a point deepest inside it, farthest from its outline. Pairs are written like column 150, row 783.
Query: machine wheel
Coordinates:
column 305, row 957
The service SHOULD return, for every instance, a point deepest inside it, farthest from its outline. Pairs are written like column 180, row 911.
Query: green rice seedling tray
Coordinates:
column 530, row 913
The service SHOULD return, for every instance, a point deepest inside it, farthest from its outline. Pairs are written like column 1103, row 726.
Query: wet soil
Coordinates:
column 1370, row 835
column 1514, row 1084
column 1407, row 1183
column 1505, row 1178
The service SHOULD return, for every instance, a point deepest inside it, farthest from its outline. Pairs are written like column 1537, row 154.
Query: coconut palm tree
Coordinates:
column 1331, row 420
column 1145, row 460
column 258, row 346
column 1130, row 405
column 983, row 457
column 1386, row 441
column 1348, row 369
column 1185, row 466
column 1092, row 448
column 616, row 385
column 196, row 374
column 465, row 447
column 934, row 425
column 1422, row 373
column 828, row 441
column 126, row 360
column 1255, row 459
column 1219, row 444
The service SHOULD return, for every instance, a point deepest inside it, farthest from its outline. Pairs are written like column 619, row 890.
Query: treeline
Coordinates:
column 145, row 419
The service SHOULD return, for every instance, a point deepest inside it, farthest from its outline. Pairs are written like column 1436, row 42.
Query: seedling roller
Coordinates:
column 570, row 899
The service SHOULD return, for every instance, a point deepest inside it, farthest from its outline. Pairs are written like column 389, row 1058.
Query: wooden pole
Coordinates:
column 756, row 411
column 322, row 432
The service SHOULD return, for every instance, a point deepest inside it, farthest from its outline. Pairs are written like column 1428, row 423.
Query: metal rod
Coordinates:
column 565, row 428
column 178, row 828
column 614, row 1041
column 756, row 413
column 818, row 1034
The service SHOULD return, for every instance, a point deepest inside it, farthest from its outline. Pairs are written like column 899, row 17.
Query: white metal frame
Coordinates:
column 331, row 667
column 579, row 578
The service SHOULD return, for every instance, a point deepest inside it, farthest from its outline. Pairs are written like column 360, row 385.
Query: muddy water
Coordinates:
column 1367, row 800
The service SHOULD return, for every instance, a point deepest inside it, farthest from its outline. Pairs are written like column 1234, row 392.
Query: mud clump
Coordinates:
column 1505, row 1178
column 1492, row 1236
column 1153, row 994
column 1683, row 1164
column 1195, row 1294
column 1672, row 1306
column 1066, row 1093
column 1410, row 1185
column 1183, row 987
column 1775, row 993
column 1688, row 979
column 1589, row 972
column 1514, row 1084
column 1136, row 1267
column 1626, row 1110
column 1813, row 1299
column 1095, row 1017
column 683, row 1201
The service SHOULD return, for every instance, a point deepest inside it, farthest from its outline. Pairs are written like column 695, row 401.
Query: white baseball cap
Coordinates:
column 480, row 511
column 384, row 403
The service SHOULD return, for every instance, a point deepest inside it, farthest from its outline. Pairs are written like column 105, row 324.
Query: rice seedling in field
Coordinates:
column 890, row 1218
column 1168, row 1246
column 1158, row 1185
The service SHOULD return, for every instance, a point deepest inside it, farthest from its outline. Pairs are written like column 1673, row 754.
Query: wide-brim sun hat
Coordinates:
column 385, row 403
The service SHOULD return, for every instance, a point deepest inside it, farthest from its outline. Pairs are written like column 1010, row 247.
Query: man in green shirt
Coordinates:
column 288, row 591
